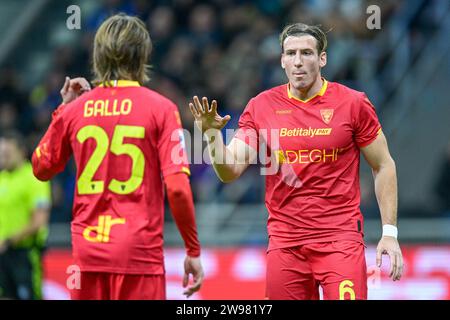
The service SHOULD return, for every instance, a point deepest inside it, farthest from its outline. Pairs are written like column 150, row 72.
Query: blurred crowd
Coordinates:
column 224, row 49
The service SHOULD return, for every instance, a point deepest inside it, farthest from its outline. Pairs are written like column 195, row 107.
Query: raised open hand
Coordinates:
column 205, row 117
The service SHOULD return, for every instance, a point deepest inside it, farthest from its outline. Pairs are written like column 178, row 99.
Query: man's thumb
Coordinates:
column 66, row 85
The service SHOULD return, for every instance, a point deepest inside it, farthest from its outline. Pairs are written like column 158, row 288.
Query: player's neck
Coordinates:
column 308, row 92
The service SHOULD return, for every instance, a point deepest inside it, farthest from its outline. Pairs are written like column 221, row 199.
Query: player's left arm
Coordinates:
column 385, row 177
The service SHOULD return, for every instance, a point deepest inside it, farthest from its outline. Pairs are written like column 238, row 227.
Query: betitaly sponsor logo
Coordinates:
column 304, row 132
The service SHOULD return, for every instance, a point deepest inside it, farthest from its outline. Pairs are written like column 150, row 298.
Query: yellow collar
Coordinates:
column 320, row 93
column 122, row 83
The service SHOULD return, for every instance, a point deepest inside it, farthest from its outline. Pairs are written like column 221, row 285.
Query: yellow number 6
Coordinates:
column 346, row 287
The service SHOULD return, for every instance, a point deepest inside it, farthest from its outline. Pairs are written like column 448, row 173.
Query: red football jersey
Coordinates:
column 122, row 138
column 314, row 195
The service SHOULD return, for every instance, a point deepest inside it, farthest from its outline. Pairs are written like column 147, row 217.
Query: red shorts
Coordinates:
column 339, row 267
column 116, row 286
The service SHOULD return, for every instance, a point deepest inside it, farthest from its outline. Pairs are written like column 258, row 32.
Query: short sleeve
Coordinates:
column 248, row 131
column 365, row 122
column 171, row 145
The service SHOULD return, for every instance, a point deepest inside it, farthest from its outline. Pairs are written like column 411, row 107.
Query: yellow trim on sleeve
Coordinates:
column 38, row 151
column 320, row 93
column 186, row 170
column 122, row 83
column 379, row 131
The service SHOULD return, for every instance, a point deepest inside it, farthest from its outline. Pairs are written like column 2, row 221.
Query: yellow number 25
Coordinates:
column 86, row 184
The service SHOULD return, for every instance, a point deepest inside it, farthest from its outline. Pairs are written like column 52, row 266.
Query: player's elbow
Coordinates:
column 178, row 188
column 387, row 165
column 177, row 193
column 39, row 171
column 41, row 175
column 179, row 198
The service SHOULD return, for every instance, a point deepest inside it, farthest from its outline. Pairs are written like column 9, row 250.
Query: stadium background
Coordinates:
column 228, row 50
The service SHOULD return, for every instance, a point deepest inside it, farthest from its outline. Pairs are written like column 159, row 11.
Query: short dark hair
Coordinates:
column 299, row 29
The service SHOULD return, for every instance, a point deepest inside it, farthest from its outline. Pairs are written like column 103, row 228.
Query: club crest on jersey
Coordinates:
column 327, row 115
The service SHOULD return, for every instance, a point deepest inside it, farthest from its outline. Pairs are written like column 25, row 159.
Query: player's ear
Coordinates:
column 282, row 62
column 323, row 59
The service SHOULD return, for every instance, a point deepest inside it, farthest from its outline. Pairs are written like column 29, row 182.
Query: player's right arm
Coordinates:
column 53, row 151
column 230, row 161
